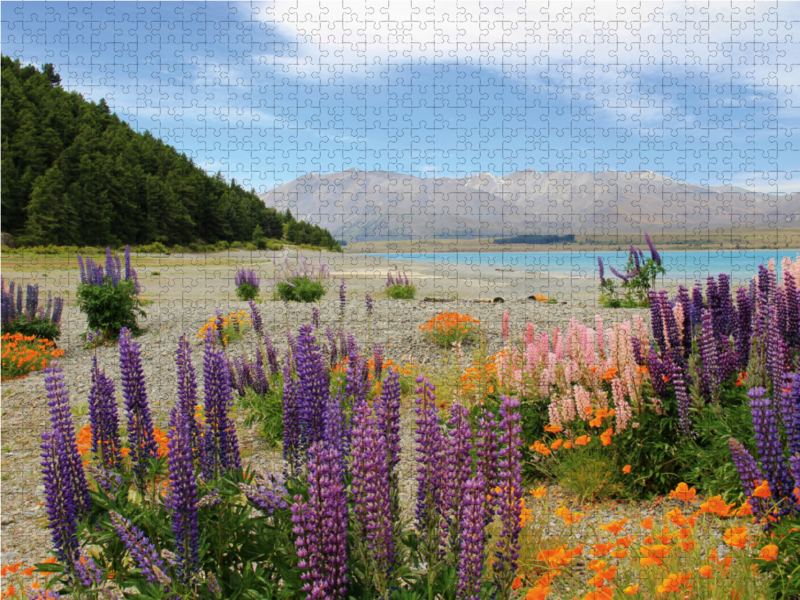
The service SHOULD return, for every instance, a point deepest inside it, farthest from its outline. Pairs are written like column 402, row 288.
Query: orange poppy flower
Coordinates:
column 769, row 552
column 762, row 491
column 736, row 537
column 716, row 506
column 606, row 437
column 706, row 571
column 631, row 589
column 626, row 469
column 549, row 428
column 615, row 527
column 683, row 493
column 654, row 555
column 647, row 523
column 583, row 440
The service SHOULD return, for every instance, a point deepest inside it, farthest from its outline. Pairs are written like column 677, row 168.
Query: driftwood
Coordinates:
column 497, row 300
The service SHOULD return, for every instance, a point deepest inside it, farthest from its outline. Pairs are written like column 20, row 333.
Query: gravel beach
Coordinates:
column 179, row 309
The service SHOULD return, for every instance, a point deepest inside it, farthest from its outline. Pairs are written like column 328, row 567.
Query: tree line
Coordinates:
column 74, row 174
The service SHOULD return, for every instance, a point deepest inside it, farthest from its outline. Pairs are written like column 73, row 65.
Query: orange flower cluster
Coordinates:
column 448, row 323
column 478, row 375
column 240, row 318
column 28, row 578
column 84, row 442
column 22, row 354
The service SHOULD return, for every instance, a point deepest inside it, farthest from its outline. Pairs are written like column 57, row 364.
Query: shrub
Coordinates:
column 22, row 354
column 247, row 283
column 306, row 282
column 30, row 318
column 110, row 297
column 639, row 278
column 445, row 329
column 399, row 288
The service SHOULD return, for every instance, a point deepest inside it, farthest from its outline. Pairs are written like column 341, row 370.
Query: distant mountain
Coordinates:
column 371, row 205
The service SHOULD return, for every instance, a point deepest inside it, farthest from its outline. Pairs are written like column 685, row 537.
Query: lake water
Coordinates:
column 681, row 266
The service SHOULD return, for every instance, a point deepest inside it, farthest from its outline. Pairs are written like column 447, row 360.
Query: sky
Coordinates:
column 269, row 91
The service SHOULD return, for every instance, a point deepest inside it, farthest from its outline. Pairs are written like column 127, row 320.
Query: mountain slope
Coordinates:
column 359, row 205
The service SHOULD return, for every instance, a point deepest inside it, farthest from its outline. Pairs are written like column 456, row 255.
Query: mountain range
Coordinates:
column 358, row 205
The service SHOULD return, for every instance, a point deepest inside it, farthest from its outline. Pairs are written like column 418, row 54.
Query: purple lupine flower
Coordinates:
column 405, row 278
column 32, row 300
column 292, row 428
column 313, row 388
column 110, row 271
column 60, row 501
column 792, row 311
column 357, row 378
column 142, row 551
column 708, row 354
column 255, row 317
column 128, row 269
column 82, row 269
column 602, row 270
column 657, row 321
column 103, row 419
column 315, row 317
column 272, row 355
column 749, row 474
column 726, row 316
column 220, row 445
column 377, row 360
column 387, row 413
column 486, row 452
column 61, row 420
column 744, row 315
column 267, row 494
column 140, row 425
column 670, row 325
column 775, row 349
column 790, row 411
column 371, row 492
column 342, row 296
column 658, row 371
column 472, row 536
column 458, row 465
column 770, row 452
column 260, row 379
column 638, row 356
column 389, row 280
column 430, row 478
column 58, row 307
column 320, row 525
column 618, row 274
column 714, row 304
column 697, row 303
column 108, row 480
column 89, row 574
column 19, row 300
column 509, row 500
column 635, row 257
column 183, row 494
column 688, row 322
column 653, row 252
column 247, row 277
column 684, row 403
column 368, row 301
column 335, row 429
column 187, row 392
column 794, row 467
column 334, row 346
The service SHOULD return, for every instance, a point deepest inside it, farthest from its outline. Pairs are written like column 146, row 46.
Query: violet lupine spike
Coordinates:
column 103, row 419
column 371, row 491
column 377, row 361
column 618, row 274
column 657, row 373
column 61, row 420
column 357, row 378
column 794, row 467
column 790, row 411
column 744, row 316
column 750, row 475
column 255, row 317
column 387, row 412
column 601, row 269
column 714, row 303
column 473, row 540
column 688, row 322
column 292, row 451
column 272, row 355
column 315, row 317
column 336, row 431
column 775, row 349
column 110, row 271
column 128, row 270
column 220, row 445
column 187, row 391
column 670, row 325
column 342, row 296
column 486, row 452
column 260, row 379
column 183, row 495
column 32, row 300
column 637, row 351
column 727, row 317
column 89, row 574
column 267, row 494
column 141, row 440
column 770, row 451
column 509, row 500
column 684, row 402
column 60, row 503
column 430, row 478
column 657, row 321
column 458, row 464
column 368, row 301
column 792, row 311
column 313, row 388
column 81, row 268
column 635, row 257
column 142, row 551
column 333, row 346
column 653, row 252
column 708, row 354
column 320, row 525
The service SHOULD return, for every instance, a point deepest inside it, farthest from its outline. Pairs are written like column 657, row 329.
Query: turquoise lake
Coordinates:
column 686, row 266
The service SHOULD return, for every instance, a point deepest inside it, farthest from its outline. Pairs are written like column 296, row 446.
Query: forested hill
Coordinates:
column 74, row 174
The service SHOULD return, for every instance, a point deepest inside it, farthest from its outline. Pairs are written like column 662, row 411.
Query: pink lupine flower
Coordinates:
column 506, row 329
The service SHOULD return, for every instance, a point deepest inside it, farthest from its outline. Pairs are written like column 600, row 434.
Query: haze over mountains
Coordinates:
column 375, row 205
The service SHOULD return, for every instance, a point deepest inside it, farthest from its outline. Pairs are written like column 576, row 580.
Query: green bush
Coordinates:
column 401, row 292
column 300, row 289
column 267, row 411
column 109, row 308
column 41, row 328
column 246, row 292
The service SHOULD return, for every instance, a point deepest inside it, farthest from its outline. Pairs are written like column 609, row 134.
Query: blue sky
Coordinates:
column 266, row 92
